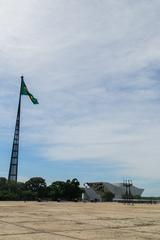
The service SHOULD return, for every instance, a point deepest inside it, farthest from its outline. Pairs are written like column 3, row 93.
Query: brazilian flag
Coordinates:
column 24, row 91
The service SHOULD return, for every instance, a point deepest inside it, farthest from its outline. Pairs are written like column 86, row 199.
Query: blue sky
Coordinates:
column 94, row 67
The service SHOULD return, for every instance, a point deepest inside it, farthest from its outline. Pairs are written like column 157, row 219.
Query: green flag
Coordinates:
column 24, row 91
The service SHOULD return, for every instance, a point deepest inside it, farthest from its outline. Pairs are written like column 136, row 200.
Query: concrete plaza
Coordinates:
column 81, row 221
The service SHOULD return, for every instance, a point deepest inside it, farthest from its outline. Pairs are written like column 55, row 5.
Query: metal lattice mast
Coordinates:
column 13, row 170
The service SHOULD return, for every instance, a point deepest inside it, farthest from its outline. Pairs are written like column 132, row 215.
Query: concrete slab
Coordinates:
column 81, row 221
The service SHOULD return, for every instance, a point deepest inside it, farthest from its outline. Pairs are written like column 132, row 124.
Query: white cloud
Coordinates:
column 93, row 64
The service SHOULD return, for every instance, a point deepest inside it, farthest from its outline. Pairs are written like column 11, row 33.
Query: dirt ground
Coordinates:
column 81, row 221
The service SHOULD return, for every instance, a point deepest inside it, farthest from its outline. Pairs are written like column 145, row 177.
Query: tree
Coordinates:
column 69, row 190
column 37, row 185
column 57, row 190
column 3, row 182
column 6, row 195
column 73, row 190
column 28, row 195
column 108, row 196
column 36, row 188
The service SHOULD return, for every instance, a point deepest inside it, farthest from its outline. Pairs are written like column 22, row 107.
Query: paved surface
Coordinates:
column 81, row 221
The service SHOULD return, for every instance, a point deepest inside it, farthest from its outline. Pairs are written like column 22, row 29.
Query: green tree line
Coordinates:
column 36, row 189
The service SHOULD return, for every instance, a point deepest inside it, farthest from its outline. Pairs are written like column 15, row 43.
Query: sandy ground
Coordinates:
column 81, row 221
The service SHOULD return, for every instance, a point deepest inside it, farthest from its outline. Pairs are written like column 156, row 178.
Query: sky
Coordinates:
column 94, row 66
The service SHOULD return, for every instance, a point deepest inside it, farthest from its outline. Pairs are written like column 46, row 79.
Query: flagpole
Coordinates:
column 13, row 170
column 20, row 96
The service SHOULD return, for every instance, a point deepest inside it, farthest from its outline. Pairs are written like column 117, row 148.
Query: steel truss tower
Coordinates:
column 13, row 170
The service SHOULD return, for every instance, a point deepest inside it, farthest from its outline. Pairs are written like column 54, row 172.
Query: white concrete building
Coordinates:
column 95, row 190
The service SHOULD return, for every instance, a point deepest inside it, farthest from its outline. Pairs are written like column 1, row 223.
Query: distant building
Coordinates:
column 94, row 191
